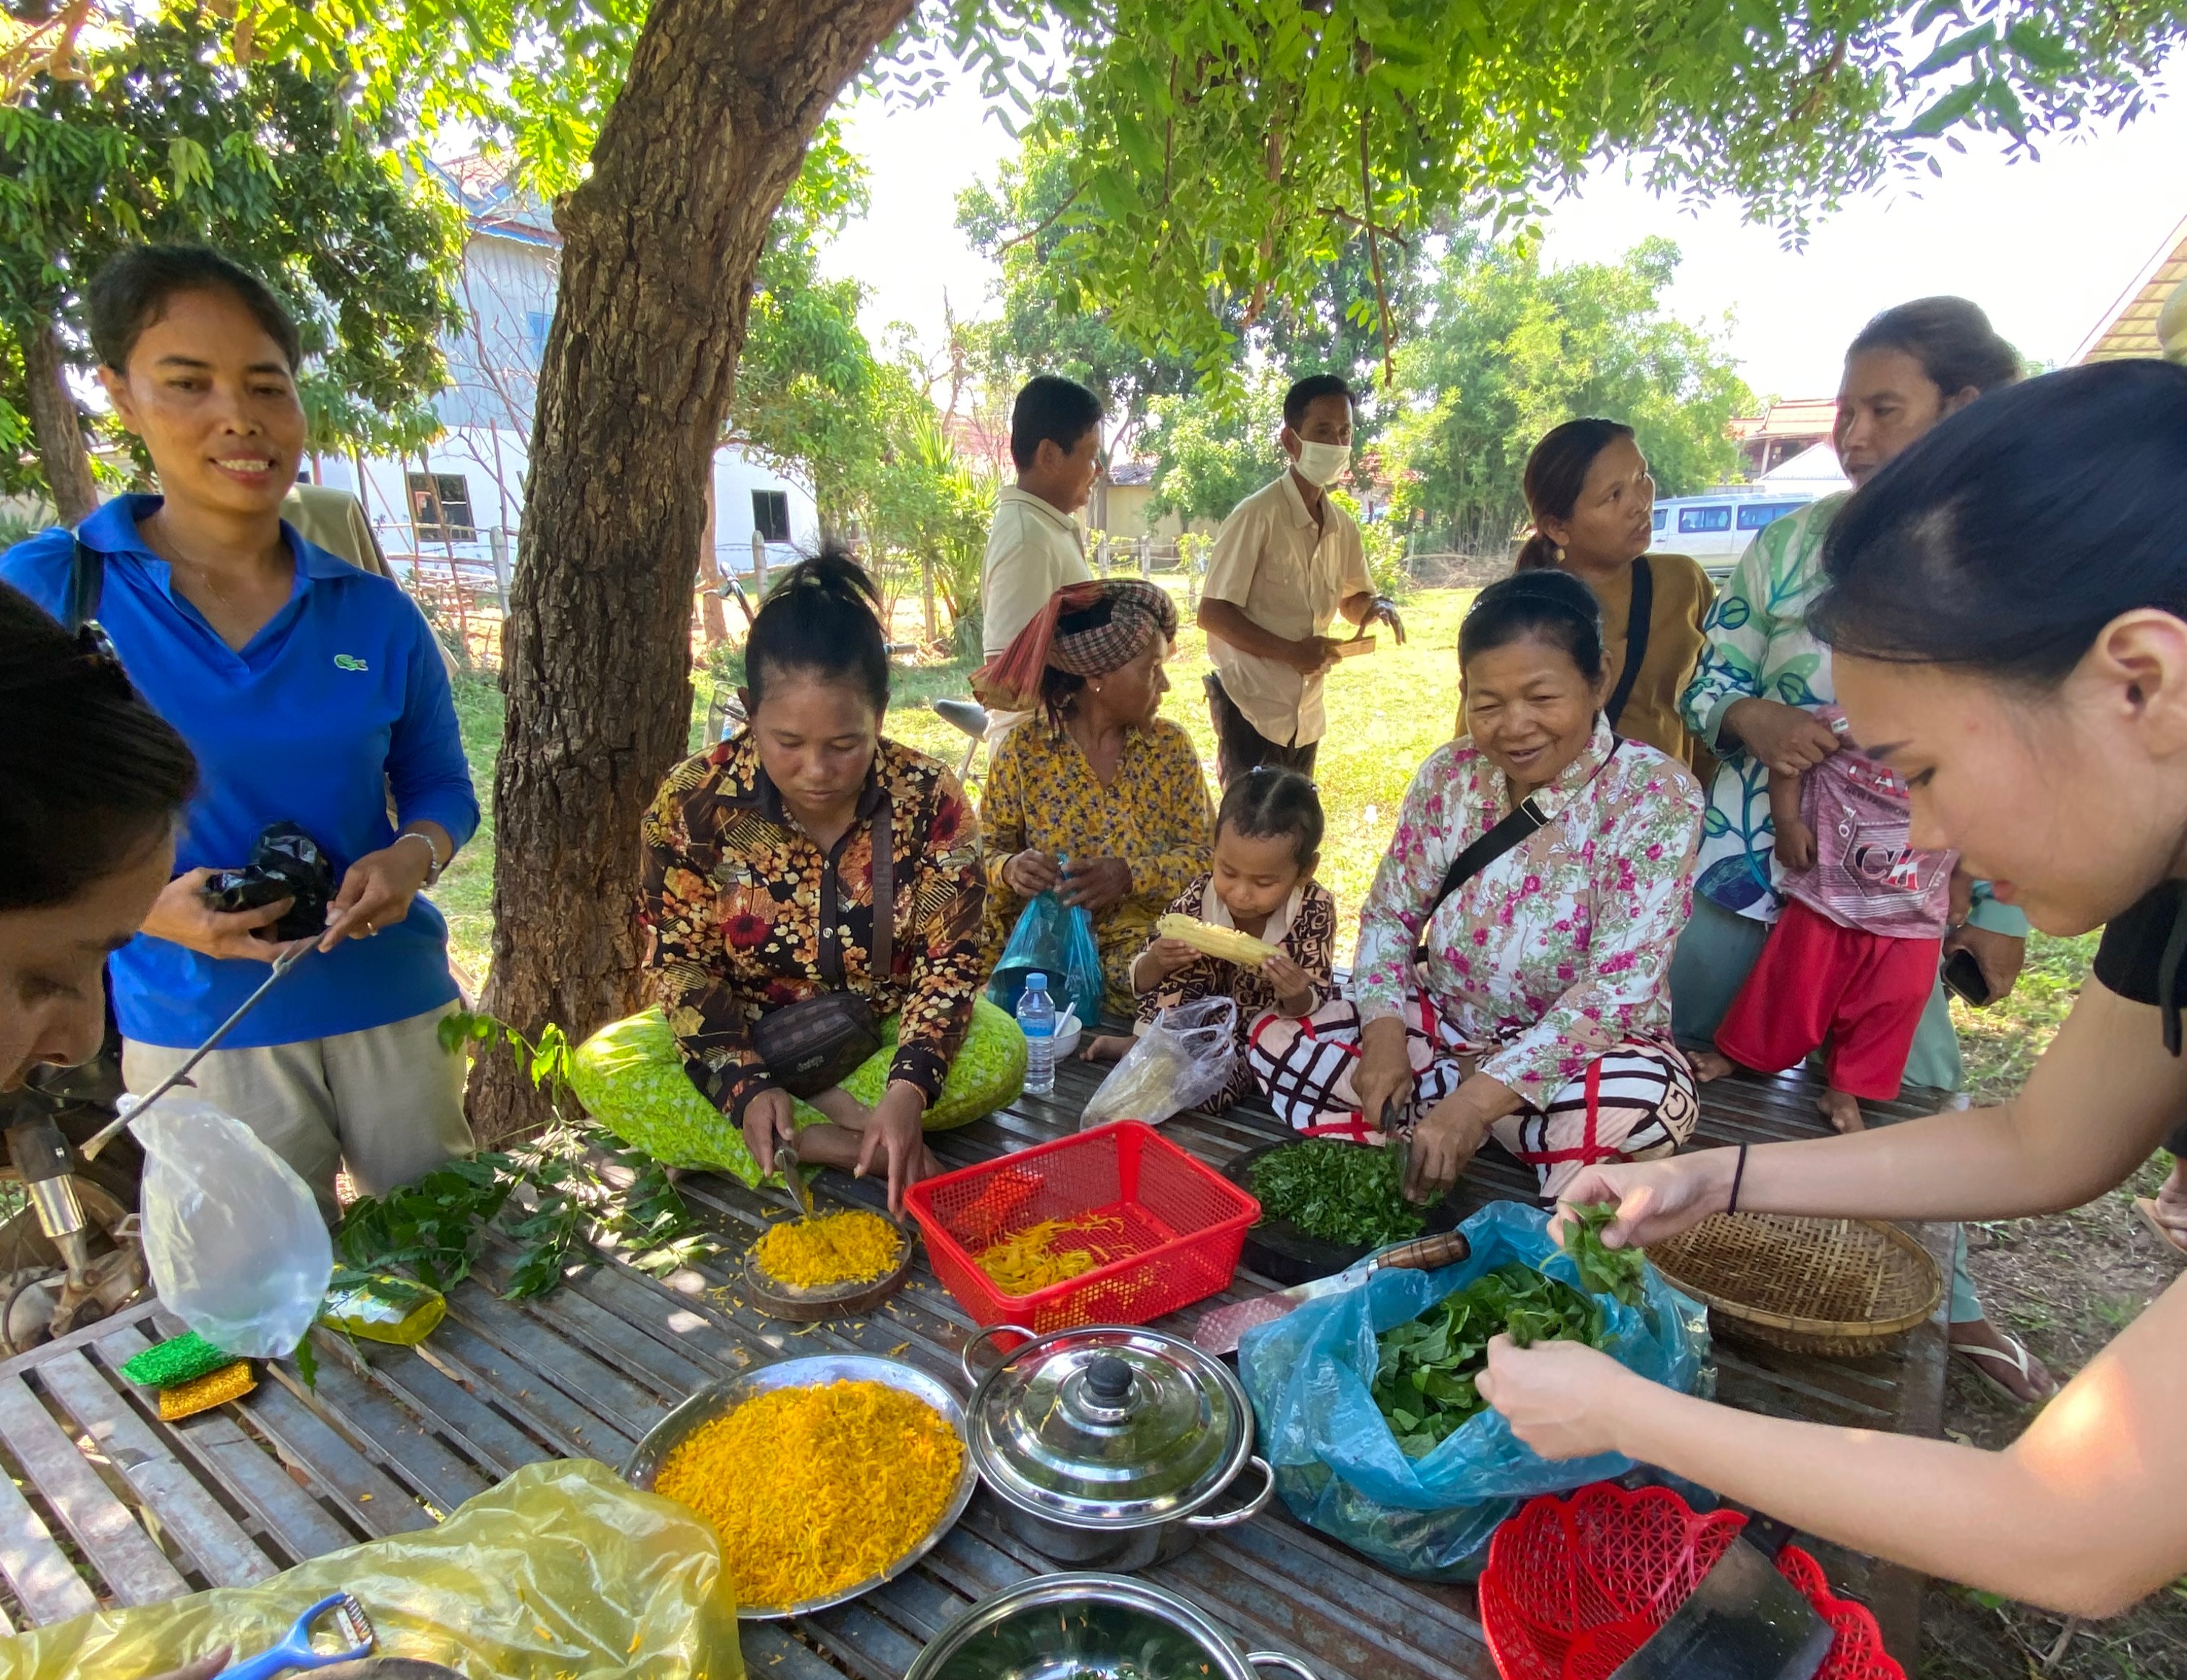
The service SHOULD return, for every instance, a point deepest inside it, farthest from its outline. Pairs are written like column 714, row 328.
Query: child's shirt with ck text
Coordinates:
column 1867, row 874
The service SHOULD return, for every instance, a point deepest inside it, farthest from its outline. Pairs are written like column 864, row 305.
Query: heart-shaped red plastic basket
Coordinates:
column 1574, row 1585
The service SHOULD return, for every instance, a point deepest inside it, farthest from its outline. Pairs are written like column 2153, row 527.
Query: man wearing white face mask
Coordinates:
column 1286, row 562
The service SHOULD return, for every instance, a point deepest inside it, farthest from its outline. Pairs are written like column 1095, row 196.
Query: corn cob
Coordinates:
column 1226, row 945
column 202, row 1394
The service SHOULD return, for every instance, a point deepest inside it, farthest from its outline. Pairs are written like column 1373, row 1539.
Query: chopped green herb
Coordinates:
column 1339, row 1192
column 1425, row 1368
column 1620, row 1272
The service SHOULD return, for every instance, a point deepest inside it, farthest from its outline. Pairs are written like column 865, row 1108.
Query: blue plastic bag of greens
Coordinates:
column 1338, row 1465
column 1056, row 940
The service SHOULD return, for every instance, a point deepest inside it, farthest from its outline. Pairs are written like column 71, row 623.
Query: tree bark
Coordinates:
column 58, row 425
column 660, row 247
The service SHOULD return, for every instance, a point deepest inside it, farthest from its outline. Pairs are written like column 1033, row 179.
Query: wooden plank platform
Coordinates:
column 108, row 1505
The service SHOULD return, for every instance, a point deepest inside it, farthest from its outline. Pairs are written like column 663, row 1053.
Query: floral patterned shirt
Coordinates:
column 1155, row 814
column 1558, row 950
column 731, row 898
column 1759, row 648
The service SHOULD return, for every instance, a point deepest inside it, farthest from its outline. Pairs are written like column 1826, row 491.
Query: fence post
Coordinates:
column 759, row 563
column 498, row 543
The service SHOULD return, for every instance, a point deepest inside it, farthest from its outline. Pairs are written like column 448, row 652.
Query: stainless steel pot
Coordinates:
column 1099, row 1627
column 1108, row 1445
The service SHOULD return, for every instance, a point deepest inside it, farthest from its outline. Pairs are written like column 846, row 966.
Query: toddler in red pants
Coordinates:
column 1852, row 959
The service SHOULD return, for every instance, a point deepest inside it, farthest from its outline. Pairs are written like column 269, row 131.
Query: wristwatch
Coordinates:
column 433, row 870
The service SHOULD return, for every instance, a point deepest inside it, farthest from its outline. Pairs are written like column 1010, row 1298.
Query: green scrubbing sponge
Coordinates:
column 181, row 1359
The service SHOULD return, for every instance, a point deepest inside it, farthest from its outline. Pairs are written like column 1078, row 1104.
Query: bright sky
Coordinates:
column 2045, row 247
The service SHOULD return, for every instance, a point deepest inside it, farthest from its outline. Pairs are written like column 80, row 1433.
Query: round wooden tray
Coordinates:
column 1842, row 1288
column 838, row 1300
column 1277, row 1249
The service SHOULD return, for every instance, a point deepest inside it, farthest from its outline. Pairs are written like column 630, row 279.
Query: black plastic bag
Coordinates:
column 285, row 862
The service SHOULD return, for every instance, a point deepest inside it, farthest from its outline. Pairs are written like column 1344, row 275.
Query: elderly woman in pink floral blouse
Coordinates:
column 1511, row 979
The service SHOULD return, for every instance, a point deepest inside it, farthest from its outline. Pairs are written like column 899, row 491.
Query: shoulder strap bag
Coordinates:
column 816, row 1043
column 1513, row 829
column 1637, row 614
column 87, row 586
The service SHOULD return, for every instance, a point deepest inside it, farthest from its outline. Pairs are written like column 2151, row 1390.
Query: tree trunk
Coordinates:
column 58, row 425
column 660, row 246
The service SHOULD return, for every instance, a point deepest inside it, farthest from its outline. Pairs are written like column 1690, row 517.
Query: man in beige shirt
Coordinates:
column 1286, row 562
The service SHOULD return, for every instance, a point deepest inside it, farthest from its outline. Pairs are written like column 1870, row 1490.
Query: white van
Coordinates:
column 1716, row 528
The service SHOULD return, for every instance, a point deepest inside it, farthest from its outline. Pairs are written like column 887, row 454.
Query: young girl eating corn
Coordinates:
column 1260, row 892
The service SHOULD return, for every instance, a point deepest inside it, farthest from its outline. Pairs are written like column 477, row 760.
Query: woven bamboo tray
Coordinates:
column 1841, row 1288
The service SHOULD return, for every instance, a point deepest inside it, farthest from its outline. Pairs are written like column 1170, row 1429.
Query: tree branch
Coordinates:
column 1390, row 234
column 1375, row 253
column 1046, row 221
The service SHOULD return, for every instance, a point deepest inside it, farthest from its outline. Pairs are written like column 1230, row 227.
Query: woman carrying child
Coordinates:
column 1267, row 840
column 1513, row 951
column 1765, row 680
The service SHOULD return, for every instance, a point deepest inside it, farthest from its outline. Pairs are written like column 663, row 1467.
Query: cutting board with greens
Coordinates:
column 1325, row 1203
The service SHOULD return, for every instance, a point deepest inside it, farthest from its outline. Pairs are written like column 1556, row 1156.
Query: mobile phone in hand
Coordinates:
column 1964, row 980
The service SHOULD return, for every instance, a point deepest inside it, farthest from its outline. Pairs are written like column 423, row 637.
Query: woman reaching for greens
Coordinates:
column 2007, row 603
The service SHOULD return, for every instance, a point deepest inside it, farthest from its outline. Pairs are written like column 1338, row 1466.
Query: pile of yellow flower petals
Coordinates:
column 850, row 1247
column 1044, row 1254
column 812, row 1489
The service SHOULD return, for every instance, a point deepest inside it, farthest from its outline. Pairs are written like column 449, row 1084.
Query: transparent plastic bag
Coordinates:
column 238, row 1248
column 1338, row 1466
column 1056, row 940
column 1186, row 1057
column 562, row 1572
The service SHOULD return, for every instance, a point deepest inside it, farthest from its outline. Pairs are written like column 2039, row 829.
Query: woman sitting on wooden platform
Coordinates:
column 777, row 980
column 1100, row 800
column 1542, row 867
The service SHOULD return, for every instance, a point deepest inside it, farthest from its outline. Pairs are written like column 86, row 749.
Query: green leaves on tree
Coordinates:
column 165, row 137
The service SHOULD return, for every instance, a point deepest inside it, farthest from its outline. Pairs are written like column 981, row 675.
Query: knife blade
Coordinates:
column 793, row 1181
column 1221, row 1328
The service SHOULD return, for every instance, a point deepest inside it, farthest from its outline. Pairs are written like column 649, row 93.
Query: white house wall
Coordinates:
column 508, row 293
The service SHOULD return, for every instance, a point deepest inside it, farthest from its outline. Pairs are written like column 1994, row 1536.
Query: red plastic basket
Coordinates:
column 1572, row 1587
column 1183, row 1226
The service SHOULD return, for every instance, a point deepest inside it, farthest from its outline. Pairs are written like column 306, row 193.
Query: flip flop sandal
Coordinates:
column 2147, row 1207
column 2014, row 1354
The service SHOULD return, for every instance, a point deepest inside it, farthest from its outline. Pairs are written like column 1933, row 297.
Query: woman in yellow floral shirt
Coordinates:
column 758, row 894
column 1097, row 798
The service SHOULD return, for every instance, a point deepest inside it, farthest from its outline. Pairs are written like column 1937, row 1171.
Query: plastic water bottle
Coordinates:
column 1036, row 1020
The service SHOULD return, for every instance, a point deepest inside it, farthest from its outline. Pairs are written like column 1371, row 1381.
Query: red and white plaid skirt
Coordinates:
column 1634, row 1102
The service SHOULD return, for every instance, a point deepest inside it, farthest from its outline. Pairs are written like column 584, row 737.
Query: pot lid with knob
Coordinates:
column 1109, row 1427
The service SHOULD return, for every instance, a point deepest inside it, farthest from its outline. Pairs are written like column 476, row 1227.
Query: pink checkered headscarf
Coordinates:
column 1092, row 645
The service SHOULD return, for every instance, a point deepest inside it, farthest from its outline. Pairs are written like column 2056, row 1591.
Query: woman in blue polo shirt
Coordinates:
column 309, row 691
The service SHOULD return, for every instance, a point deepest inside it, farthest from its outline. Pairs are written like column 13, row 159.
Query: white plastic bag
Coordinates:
column 238, row 1250
column 1183, row 1060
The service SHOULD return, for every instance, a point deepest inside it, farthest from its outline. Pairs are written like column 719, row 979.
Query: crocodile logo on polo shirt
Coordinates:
column 350, row 662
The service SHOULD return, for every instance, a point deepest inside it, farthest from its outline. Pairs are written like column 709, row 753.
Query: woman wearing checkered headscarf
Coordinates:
column 1098, row 798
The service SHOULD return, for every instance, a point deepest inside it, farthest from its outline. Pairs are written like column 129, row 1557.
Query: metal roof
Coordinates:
column 2129, row 326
